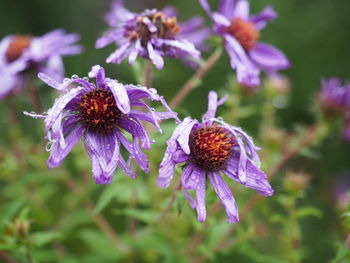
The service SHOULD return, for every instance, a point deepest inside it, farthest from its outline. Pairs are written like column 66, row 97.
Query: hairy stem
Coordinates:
column 200, row 73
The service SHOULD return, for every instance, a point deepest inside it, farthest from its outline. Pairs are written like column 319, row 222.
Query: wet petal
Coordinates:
column 155, row 56
column 120, row 95
column 226, row 197
column 200, row 197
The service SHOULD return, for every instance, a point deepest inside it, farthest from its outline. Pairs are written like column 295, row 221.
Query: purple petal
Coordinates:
column 98, row 72
column 256, row 178
column 242, row 9
column 221, row 20
column 247, row 72
column 135, row 51
column 200, row 197
column 225, row 195
column 260, row 20
column 206, row 7
column 191, row 201
column 104, row 151
column 126, row 167
column 120, row 95
column 156, row 58
column 140, row 157
column 60, row 104
column 109, row 38
column 186, row 174
column 212, row 105
column 268, row 57
column 184, row 45
column 227, row 8
column 118, row 55
column 184, row 135
column 135, row 129
column 58, row 153
column 192, row 178
column 169, row 11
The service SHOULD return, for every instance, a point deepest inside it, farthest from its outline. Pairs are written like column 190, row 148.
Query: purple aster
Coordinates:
column 212, row 148
column 21, row 54
column 101, row 114
column 241, row 34
column 152, row 35
column 334, row 98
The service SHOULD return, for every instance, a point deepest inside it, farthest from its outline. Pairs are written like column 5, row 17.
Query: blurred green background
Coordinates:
column 314, row 34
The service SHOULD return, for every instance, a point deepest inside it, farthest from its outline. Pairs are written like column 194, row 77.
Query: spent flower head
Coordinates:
column 212, row 148
column 152, row 35
column 21, row 54
column 102, row 113
column 241, row 34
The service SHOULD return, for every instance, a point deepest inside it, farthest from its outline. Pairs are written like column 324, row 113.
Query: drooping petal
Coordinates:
column 135, row 129
column 213, row 104
column 225, row 195
column 118, row 55
column 247, row 72
column 58, row 153
column 104, row 151
column 200, row 197
column 157, row 60
column 256, row 178
column 98, row 72
column 183, row 138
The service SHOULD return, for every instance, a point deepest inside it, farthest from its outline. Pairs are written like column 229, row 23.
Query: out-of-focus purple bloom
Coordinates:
column 210, row 149
column 334, row 98
column 152, row 35
column 101, row 113
column 21, row 54
column 241, row 33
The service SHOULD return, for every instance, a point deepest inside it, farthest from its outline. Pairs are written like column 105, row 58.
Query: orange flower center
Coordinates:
column 98, row 111
column 166, row 28
column 16, row 48
column 211, row 147
column 245, row 32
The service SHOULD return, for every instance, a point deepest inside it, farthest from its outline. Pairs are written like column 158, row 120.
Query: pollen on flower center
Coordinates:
column 211, row 147
column 166, row 27
column 245, row 32
column 98, row 111
column 16, row 48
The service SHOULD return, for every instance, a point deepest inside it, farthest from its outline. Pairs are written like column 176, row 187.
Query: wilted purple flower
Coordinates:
column 21, row 54
column 334, row 98
column 101, row 113
column 152, row 35
column 210, row 149
column 241, row 33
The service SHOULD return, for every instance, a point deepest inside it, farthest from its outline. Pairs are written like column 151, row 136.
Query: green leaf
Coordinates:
column 307, row 211
column 106, row 197
column 42, row 238
column 9, row 211
column 146, row 216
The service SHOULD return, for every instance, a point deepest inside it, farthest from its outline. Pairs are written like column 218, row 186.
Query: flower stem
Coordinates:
column 34, row 93
column 200, row 73
column 148, row 74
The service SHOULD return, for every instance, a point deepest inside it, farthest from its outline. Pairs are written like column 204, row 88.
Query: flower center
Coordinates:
column 245, row 32
column 166, row 27
column 98, row 111
column 211, row 147
column 16, row 48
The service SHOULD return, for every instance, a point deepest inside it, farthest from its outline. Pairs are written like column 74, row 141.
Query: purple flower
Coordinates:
column 334, row 99
column 241, row 34
column 152, row 35
column 21, row 54
column 211, row 149
column 102, row 114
